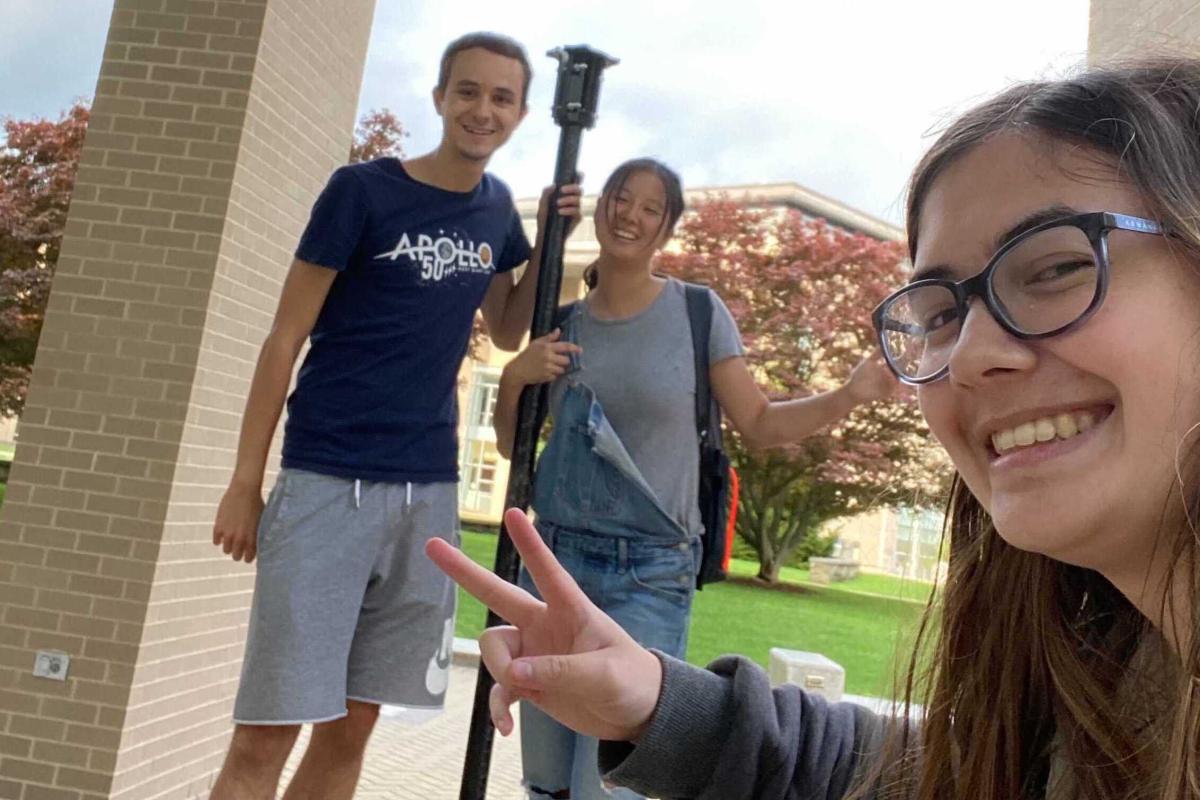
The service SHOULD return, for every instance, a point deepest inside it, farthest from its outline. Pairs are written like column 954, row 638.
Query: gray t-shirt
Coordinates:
column 642, row 371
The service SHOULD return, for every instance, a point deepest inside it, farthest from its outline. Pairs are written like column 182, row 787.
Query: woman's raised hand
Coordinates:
column 565, row 655
column 872, row 379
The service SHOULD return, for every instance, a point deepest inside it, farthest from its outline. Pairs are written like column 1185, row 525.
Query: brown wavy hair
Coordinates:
column 1025, row 667
column 496, row 43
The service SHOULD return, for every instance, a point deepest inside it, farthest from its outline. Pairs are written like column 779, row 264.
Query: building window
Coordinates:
column 918, row 539
column 477, row 458
column 485, row 385
column 479, row 476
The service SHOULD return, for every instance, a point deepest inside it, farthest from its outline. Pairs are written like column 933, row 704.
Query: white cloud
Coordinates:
column 836, row 96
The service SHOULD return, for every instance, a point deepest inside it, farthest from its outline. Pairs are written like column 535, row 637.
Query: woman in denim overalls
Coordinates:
column 616, row 487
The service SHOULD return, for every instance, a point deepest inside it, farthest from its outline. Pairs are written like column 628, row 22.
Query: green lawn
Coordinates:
column 859, row 631
column 884, row 585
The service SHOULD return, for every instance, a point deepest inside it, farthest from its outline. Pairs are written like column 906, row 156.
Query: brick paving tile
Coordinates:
column 424, row 761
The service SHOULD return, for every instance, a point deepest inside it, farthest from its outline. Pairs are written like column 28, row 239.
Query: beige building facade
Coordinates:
column 8, row 430
column 906, row 542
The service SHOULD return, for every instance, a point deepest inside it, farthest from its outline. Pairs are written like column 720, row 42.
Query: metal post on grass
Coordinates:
column 576, row 96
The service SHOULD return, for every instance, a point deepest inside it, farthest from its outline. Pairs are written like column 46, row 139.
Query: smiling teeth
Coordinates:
column 1045, row 429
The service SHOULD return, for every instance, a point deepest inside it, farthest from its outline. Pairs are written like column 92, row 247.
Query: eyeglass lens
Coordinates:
column 1043, row 283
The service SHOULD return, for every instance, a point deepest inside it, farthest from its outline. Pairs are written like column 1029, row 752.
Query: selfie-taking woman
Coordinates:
column 1052, row 328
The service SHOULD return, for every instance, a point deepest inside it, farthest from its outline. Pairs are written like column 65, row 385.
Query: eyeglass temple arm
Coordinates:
column 1128, row 223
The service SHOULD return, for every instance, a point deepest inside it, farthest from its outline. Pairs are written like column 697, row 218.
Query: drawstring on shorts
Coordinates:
column 358, row 493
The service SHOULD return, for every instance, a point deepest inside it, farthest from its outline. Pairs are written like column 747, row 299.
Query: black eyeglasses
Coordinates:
column 1046, row 281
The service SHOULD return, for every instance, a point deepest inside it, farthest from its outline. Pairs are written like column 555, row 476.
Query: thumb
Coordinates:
column 580, row 674
column 553, row 335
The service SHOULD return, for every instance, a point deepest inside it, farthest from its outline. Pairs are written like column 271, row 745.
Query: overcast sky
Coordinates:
column 839, row 97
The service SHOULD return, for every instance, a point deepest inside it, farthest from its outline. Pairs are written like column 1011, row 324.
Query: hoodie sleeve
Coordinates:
column 725, row 733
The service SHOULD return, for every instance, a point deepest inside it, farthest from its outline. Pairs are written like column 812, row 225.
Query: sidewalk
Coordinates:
column 424, row 761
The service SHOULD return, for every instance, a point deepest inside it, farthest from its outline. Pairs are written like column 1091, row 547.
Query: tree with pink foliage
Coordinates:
column 38, row 163
column 802, row 292
column 379, row 133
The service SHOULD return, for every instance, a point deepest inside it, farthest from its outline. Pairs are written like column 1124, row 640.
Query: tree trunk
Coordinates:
column 769, row 570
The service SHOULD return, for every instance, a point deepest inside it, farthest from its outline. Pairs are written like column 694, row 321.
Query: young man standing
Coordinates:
column 348, row 614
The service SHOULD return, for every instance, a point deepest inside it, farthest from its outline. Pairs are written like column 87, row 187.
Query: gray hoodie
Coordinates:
column 725, row 733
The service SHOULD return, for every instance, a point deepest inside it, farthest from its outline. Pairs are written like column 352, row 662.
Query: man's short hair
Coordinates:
column 496, row 43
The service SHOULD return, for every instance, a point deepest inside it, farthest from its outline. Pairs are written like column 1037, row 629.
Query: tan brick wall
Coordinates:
column 1121, row 29
column 214, row 125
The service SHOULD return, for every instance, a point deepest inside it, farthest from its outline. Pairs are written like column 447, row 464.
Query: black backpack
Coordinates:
column 715, row 469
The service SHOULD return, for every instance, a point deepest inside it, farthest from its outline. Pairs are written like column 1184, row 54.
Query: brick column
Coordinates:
column 1130, row 28
column 214, row 125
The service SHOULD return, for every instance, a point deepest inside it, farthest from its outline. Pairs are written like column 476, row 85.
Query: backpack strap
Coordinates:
column 563, row 313
column 700, row 311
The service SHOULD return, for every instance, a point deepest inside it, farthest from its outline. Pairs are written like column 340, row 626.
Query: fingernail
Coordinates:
column 521, row 671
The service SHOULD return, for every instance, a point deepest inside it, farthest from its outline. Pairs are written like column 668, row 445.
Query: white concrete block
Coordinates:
column 812, row 672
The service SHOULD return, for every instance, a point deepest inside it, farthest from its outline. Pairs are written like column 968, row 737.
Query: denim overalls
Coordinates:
column 603, row 522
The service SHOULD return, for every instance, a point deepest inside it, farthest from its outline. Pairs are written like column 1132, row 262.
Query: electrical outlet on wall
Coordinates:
column 51, row 664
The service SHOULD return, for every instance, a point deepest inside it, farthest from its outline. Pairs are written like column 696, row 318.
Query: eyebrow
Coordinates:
column 1026, row 223
column 467, row 83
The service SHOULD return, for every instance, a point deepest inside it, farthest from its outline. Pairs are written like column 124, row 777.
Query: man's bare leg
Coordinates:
column 254, row 762
column 333, row 760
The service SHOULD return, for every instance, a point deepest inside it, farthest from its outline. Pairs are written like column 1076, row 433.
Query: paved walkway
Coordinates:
column 424, row 761
column 407, row 761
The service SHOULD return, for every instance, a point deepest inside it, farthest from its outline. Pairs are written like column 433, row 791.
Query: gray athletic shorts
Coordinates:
column 346, row 604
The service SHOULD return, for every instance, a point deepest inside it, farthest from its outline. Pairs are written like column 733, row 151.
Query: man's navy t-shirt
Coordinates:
column 375, row 398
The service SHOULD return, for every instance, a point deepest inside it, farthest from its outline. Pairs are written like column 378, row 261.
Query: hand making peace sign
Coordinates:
column 565, row 655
